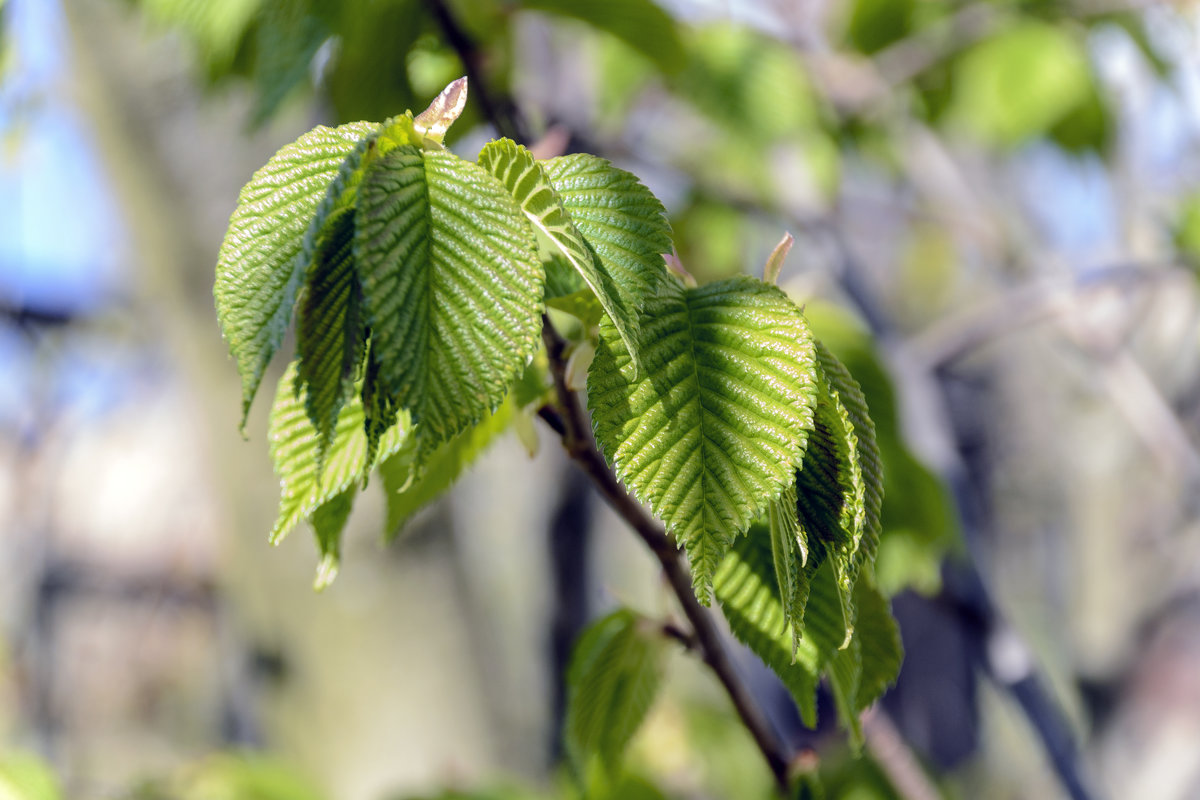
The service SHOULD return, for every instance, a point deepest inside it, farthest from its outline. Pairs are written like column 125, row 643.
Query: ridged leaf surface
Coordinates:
column 409, row 490
column 524, row 177
column 258, row 269
column 716, row 427
column 623, row 224
column 747, row 589
column 330, row 330
column 840, row 485
column 612, row 681
column 293, row 445
column 452, row 287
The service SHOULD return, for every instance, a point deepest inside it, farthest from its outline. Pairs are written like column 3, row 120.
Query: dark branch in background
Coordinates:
column 498, row 107
column 578, row 441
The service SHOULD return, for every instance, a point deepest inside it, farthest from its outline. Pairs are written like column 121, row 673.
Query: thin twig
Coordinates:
column 579, row 444
column 497, row 106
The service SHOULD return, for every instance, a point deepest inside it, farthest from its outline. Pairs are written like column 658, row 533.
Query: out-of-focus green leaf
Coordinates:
column 750, row 83
column 875, row 24
column 26, row 777
column 216, row 26
column 369, row 79
column 641, row 24
column 1187, row 230
column 286, row 38
column 612, row 681
column 245, row 778
column 1020, row 83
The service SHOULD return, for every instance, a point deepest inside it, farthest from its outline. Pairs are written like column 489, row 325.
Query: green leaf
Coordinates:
column 330, row 330
column 878, row 635
column 294, row 443
column 408, row 492
column 623, row 224
column 749, row 595
column 639, row 23
column 612, row 681
column 844, row 672
column 789, row 552
column 26, row 777
column 840, row 485
column 328, row 521
column 258, row 271
column 1020, row 83
column 515, row 167
column 453, row 288
column 717, row 426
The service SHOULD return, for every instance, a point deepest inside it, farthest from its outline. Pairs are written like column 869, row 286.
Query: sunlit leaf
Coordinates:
column 452, row 287
column 293, row 445
column 717, row 426
column 525, row 179
column 258, row 268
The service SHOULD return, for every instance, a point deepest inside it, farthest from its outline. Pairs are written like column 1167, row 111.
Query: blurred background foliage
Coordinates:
column 997, row 228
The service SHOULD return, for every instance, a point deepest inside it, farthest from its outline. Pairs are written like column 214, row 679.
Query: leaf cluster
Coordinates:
column 418, row 283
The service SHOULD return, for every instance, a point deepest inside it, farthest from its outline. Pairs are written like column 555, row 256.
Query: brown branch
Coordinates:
column 579, row 444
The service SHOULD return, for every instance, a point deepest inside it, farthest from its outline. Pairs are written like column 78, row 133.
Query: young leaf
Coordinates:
column 716, row 427
column 881, row 650
column 328, row 521
column 749, row 595
column 453, row 288
column 330, row 331
column 434, row 121
column 258, row 271
column 293, row 445
column 612, row 681
column 840, row 485
column 408, row 492
column 525, row 179
column 623, row 224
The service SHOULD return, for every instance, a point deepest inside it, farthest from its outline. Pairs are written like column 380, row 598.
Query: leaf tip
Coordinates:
column 774, row 263
column 435, row 120
column 327, row 570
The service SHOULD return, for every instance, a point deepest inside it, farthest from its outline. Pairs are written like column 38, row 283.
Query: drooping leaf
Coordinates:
column 917, row 519
column 623, row 224
column 293, row 446
column 840, row 484
column 749, row 595
column 408, row 492
column 789, row 552
column 258, row 272
column 328, row 521
column 330, row 330
column 525, row 179
column 453, row 288
column 641, row 24
column 612, row 681
column 881, row 650
column 845, row 670
column 716, row 427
